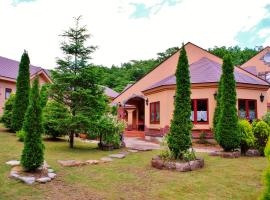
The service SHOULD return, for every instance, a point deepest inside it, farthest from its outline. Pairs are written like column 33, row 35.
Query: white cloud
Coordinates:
column 36, row 27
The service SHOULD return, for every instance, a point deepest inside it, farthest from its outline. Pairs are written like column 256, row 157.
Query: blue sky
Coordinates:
column 131, row 29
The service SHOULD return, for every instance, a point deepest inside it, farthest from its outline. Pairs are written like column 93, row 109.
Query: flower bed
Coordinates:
column 159, row 163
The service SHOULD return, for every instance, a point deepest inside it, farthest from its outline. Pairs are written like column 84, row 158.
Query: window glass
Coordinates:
column 201, row 110
column 152, row 109
column 192, row 111
column 7, row 92
column 242, row 109
column 252, row 110
column 157, row 112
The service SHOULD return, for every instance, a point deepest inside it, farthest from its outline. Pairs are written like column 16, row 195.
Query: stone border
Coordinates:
column 223, row 154
column 158, row 163
column 16, row 171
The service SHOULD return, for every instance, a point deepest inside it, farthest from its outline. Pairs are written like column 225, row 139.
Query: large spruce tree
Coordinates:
column 228, row 132
column 75, row 82
column 179, row 137
column 33, row 152
column 22, row 93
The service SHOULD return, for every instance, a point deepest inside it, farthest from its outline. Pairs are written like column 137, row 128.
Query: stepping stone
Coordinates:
column 44, row 179
column 142, row 148
column 124, row 153
column 119, row 155
column 13, row 163
column 106, row 159
column 92, row 162
column 70, row 163
column 133, row 151
column 14, row 174
column 27, row 180
column 51, row 175
column 50, row 170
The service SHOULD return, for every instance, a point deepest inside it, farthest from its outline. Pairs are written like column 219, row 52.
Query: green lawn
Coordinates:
column 130, row 178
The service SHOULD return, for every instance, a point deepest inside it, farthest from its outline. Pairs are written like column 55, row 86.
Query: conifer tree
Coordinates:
column 179, row 137
column 217, row 109
column 22, row 93
column 228, row 132
column 33, row 152
column 75, row 82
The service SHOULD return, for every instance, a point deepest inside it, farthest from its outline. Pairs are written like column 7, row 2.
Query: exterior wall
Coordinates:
column 12, row 85
column 164, row 70
column 166, row 99
column 259, row 64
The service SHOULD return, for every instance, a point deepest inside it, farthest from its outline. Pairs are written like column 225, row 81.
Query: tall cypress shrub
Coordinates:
column 22, row 93
column 179, row 137
column 228, row 132
column 33, row 155
column 217, row 109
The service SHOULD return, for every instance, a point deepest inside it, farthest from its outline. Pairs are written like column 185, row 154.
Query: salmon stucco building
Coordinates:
column 8, row 75
column 148, row 104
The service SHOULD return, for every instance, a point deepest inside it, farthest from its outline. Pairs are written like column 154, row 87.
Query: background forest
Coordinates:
column 118, row 77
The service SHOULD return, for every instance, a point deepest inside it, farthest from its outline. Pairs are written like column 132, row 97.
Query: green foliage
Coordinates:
column 75, row 83
column 266, row 193
column 239, row 56
column 228, row 131
column 6, row 119
column 202, row 138
column 44, row 95
column 179, row 137
column 109, row 129
column 22, row 93
column 33, row 152
column 20, row 135
column 266, row 118
column 218, row 109
column 189, row 155
column 56, row 119
column 114, row 110
column 261, row 131
column 246, row 134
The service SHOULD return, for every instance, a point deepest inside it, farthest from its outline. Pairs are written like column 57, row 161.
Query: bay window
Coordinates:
column 247, row 109
column 155, row 112
column 199, row 111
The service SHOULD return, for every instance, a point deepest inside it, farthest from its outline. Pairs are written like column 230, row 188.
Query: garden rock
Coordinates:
column 252, row 153
column 92, row 162
column 14, row 174
column 157, row 163
column 106, row 159
column 28, row 180
column 70, row 163
column 43, row 179
column 132, row 150
column 51, row 175
column 13, row 163
column 120, row 156
column 182, row 167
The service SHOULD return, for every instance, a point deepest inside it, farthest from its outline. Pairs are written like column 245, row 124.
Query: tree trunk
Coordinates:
column 71, row 140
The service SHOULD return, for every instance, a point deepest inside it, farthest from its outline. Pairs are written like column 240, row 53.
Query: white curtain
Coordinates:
column 202, row 116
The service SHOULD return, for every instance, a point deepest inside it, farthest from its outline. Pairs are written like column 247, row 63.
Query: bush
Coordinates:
column 266, row 194
column 6, row 119
column 261, row 131
column 20, row 135
column 110, row 129
column 246, row 134
column 55, row 119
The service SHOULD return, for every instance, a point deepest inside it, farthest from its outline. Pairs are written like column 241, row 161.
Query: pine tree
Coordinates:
column 33, row 152
column 75, row 83
column 22, row 93
column 228, row 132
column 217, row 109
column 179, row 137
column 43, row 95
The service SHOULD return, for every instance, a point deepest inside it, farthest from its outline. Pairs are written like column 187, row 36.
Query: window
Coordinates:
column 247, row 109
column 7, row 93
column 154, row 113
column 199, row 111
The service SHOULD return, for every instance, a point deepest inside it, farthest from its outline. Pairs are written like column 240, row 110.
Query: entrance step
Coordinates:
column 139, row 134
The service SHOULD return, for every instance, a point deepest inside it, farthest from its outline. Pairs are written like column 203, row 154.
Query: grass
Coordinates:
column 130, row 178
